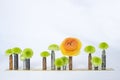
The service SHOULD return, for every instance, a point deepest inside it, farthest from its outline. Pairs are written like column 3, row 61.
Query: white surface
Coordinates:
column 38, row 23
column 86, row 75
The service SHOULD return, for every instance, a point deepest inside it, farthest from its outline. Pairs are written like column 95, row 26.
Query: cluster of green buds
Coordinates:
column 61, row 62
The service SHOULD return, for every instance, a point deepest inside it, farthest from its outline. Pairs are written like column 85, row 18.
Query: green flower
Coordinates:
column 22, row 58
column 103, row 45
column 8, row 52
column 89, row 49
column 96, row 61
column 16, row 50
column 59, row 62
column 65, row 60
column 27, row 53
column 45, row 54
column 54, row 47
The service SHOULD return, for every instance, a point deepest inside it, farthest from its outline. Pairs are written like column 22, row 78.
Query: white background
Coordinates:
column 39, row 23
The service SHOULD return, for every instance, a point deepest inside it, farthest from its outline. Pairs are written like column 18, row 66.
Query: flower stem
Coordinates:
column 15, row 61
column 52, row 60
column 27, row 62
column 11, row 62
column 70, row 63
column 103, row 60
column 58, row 68
column 24, row 65
column 96, row 68
column 64, row 67
column 44, row 63
column 89, row 62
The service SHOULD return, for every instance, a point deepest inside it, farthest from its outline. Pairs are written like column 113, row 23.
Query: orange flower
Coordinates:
column 71, row 46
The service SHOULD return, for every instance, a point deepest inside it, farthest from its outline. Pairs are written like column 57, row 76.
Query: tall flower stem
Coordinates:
column 11, row 62
column 27, row 62
column 70, row 63
column 44, row 63
column 16, row 62
column 89, row 62
column 103, row 60
column 52, row 60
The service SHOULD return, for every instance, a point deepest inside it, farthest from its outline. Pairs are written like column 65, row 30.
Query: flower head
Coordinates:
column 103, row 45
column 89, row 49
column 54, row 47
column 58, row 62
column 27, row 53
column 71, row 46
column 96, row 61
column 16, row 50
column 45, row 54
column 8, row 52
column 65, row 60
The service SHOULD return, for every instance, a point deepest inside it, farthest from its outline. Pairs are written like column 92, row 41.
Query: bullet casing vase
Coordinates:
column 16, row 62
column 103, row 60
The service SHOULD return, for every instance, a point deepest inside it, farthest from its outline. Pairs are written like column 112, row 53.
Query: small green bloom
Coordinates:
column 16, row 50
column 54, row 47
column 27, row 53
column 8, row 52
column 45, row 54
column 89, row 49
column 22, row 58
column 96, row 61
column 59, row 62
column 103, row 45
column 65, row 60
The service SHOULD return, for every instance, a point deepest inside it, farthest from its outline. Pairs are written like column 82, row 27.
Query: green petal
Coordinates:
column 27, row 53
column 45, row 54
column 8, row 52
column 103, row 45
column 54, row 47
column 89, row 49
column 65, row 60
column 96, row 61
column 16, row 50
column 58, row 62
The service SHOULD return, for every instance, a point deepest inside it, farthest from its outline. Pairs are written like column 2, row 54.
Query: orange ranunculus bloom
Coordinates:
column 71, row 46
